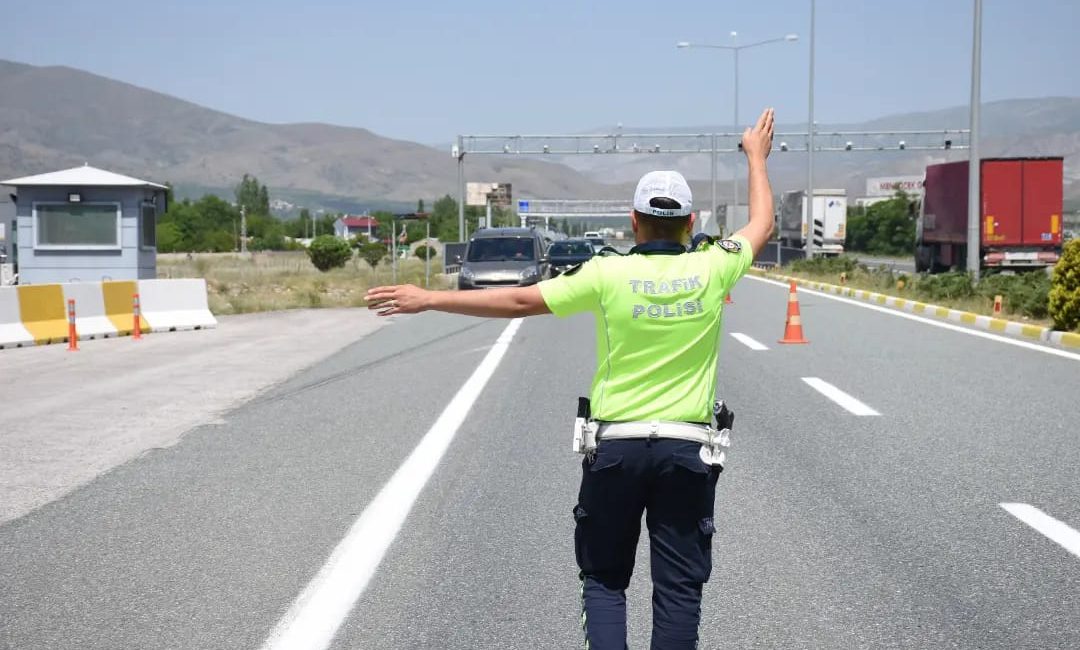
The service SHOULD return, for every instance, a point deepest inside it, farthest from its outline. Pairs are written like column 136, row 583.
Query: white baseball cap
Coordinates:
column 667, row 185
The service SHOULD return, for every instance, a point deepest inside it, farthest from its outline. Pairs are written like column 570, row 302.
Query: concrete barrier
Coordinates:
column 44, row 312
column 91, row 321
column 170, row 305
column 119, row 297
column 12, row 332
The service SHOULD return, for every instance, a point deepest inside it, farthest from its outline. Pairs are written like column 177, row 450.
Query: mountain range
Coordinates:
column 55, row 117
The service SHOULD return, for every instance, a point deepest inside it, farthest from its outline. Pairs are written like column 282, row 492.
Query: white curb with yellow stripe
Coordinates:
column 989, row 323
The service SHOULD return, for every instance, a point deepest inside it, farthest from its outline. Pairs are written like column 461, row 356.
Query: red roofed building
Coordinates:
column 350, row 226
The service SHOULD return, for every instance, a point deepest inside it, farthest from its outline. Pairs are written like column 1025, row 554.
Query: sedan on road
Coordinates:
column 568, row 253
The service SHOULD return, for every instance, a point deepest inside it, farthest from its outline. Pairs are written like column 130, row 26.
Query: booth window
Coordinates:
column 148, row 225
column 77, row 225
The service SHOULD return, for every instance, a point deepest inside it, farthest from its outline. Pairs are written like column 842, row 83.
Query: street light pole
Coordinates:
column 808, row 219
column 735, row 130
column 974, row 163
column 735, row 51
column 712, row 177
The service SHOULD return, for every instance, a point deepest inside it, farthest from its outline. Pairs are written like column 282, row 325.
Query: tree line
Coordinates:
column 213, row 224
column 884, row 228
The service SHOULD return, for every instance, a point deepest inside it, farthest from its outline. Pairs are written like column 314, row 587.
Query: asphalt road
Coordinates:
column 834, row 530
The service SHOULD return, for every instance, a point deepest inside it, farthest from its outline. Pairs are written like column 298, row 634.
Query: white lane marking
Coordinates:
column 319, row 610
column 930, row 321
column 1058, row 532
column 747, row 341
column 840, row 397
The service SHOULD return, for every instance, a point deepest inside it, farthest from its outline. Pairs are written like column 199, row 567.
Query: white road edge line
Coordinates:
column 748, row 342
column 319, row 610
column 1058, row 532
column 929, row 321
column 849, row 403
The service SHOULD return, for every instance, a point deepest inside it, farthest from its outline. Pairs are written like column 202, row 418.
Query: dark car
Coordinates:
column 568, row 253
column 503, row 257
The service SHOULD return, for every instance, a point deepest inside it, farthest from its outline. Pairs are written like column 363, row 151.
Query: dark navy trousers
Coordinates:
column 667, row 480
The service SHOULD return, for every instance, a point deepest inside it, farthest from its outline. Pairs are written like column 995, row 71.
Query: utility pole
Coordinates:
column 459, row 153
column 243, row 229
column 974, row 163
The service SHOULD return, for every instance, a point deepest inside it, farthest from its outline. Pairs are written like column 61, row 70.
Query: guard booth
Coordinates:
column 84, row 225
column 8, row 249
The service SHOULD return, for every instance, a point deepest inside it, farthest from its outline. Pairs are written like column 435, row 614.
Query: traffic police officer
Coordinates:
column 658, row 314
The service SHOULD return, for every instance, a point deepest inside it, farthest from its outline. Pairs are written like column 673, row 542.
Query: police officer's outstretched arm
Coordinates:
column 491, row 303
column 757, row 143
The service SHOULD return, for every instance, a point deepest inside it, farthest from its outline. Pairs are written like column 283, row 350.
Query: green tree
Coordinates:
column 305, row 222
column 372, row 252
column 420, row 205
column 168, row 238
column 202, row 225
column 858, row 234
column 886, row 227
column 254, row 197
column 1064, row 300
column 324, row 224
column 444, row 219
column 328, row 252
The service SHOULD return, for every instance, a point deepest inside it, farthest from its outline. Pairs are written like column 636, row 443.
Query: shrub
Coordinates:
column 1064, row 299
column 1024, row 293
column 425, row 252
column 824, row 265
column 946, row 286
column 328, row 252
column 372, row 252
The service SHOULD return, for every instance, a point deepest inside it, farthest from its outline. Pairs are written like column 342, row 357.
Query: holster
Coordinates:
column 724, row 419
column 584, row 428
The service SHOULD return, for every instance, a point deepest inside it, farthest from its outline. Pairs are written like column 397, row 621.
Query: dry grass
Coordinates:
column 271, row 281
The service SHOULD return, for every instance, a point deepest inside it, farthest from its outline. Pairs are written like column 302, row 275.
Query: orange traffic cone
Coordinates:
column 728, row 300
column 793, row 326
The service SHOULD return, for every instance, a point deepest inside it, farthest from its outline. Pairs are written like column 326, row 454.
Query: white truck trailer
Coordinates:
column 829, row 215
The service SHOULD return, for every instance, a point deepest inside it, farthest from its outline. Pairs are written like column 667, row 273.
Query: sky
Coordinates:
column 429, row 70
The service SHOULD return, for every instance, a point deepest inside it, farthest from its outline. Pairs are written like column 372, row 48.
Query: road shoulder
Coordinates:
column 73, row 416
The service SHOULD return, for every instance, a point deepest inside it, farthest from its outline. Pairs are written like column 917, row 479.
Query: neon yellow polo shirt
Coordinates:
column 658, row 321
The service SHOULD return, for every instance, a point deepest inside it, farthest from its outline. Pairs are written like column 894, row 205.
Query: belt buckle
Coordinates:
column 654, row 429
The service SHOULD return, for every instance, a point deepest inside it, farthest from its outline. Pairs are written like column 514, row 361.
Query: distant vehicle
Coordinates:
column 830, row 208
column 595, row 239
column 569, row 252
column 1020, row 223
column 503, row 257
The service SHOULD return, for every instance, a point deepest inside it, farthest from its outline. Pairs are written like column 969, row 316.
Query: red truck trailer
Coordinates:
column 1020, row 223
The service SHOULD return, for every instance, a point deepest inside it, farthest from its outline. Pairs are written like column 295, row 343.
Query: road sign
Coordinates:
column 523, row 206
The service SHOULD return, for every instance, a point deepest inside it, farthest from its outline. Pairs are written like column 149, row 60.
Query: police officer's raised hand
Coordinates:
column 757, row 140
column 398, row 299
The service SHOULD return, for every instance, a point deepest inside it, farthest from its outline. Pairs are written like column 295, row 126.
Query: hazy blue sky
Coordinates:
column 429, row 70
